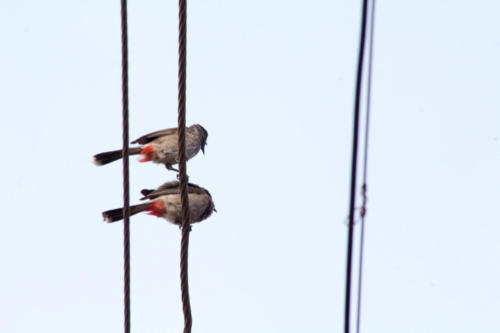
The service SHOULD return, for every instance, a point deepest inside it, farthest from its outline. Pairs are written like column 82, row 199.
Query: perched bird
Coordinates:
column 165, row 202
column 161, row 147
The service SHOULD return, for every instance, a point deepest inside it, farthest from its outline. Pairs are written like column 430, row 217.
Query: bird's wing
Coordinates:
column 171, row 188
column 155, row 135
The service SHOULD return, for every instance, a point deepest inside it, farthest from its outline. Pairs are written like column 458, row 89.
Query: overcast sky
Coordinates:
column 273, row 83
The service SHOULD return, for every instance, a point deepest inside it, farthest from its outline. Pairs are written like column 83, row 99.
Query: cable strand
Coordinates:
column 126, row 182
column 352, row 201
column 364, row 187
column 183, row 178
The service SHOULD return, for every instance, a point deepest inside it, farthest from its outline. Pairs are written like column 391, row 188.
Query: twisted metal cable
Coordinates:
column 361, row 250
column 364, row 187
column 352, row 201
column 126, row 185
column 183, row 178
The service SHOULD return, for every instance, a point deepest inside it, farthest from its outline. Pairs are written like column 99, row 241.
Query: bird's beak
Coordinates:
column 215, row 210
column 203, row 150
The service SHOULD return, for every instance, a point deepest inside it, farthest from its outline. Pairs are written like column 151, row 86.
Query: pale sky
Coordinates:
column 273, row 83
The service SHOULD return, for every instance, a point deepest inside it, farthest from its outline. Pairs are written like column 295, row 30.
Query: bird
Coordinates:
column 165, row 201
column 161, row 147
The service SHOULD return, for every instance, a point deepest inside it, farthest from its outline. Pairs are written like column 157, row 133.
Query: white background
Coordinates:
column 273, row 83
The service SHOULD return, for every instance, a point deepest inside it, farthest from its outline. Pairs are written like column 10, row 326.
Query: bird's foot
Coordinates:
column 170, row 167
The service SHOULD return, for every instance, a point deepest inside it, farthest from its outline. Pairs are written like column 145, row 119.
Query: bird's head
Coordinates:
column 203, row 135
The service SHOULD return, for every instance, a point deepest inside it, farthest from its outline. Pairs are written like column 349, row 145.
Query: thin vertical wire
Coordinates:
column 183, row 178
column 364, row 188
column 126, row 185
column 354, row 171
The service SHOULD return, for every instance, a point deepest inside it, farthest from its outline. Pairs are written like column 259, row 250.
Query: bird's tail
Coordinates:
column 114, row 215
column 111, row 156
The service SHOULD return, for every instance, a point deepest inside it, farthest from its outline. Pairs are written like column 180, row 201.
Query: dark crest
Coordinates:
column 204, row 134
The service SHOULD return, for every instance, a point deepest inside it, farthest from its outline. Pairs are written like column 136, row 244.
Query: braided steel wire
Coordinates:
column 364, row 188
column 126, row 183
column 183, row 178
column 352, row 201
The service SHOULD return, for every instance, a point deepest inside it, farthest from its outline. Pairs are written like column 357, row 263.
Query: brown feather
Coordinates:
column 171, row 187
column 116, row 214
column 155, row 135
column 111, row 156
